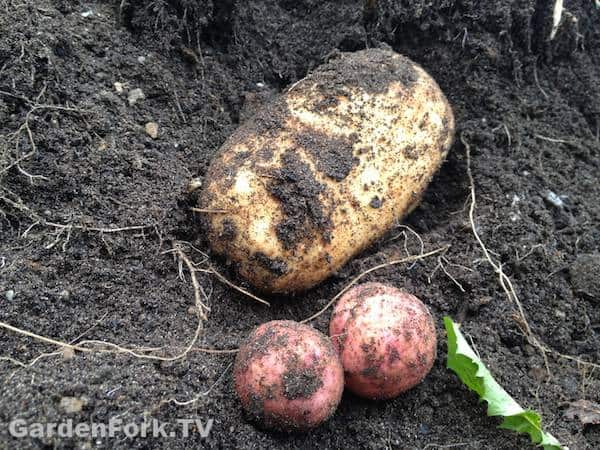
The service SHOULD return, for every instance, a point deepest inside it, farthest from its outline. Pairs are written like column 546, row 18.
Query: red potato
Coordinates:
column 288, row 376
column 385, row 338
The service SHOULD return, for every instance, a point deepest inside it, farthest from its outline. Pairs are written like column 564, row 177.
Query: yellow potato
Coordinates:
column 325, row 169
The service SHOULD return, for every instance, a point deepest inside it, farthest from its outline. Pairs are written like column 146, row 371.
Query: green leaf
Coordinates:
column 472, row 372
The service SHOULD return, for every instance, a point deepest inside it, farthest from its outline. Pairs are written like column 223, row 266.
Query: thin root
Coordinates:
column 505, row 281
column 373, row 269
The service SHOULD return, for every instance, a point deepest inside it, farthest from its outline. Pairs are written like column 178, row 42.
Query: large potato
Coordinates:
column 326, row 168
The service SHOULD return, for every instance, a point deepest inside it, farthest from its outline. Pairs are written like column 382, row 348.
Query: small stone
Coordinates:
column 68, row 353
column 72, row 405
column 64, row 295
column 135, row 95
column 10, row 294
column 87, row 13
column 152, row 129
column 141, row 59
column 118, row 87
column 194, row 184
column 560, row 314
column 192, row 310
column 423, row 429
column 554, row 199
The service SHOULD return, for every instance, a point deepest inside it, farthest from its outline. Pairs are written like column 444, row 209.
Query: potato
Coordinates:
column 325, row 169
column 288, row 376
column 386, row 340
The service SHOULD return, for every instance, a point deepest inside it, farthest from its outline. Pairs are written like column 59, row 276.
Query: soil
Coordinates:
column 81, row 160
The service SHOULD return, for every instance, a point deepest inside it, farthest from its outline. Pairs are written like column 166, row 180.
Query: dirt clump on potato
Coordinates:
column 326, row 168
column 334, row 156
column 298, row 191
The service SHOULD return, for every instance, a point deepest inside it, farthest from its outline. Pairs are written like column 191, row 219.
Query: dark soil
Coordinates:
column 202, row 65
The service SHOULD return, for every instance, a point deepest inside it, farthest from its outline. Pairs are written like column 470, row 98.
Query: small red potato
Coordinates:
column 385, row 338
column 288, row 376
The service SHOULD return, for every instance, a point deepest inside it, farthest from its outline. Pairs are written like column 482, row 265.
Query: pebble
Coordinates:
column 118, row 87
column 194, row 184
column 135, row 95
column 68, row 353
column 554, row 199
column 10, row 294
column 152, row 129
column 72, row 404
column 141, row 59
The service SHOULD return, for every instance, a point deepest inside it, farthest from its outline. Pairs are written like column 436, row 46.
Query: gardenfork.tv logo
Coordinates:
column 116, row 427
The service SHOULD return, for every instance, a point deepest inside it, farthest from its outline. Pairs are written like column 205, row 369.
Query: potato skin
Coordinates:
column 386, row 340
column 288, row 376
column 326, row 169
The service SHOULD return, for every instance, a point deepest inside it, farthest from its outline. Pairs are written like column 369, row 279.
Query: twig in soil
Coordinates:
column 440, row 265
column 178, row 105
column 530, row 252
column 198, row 396
column 216, row 351
column 373, row 269
column 556, row 141
column 96, row 346
column 537, row 81
column 39, row 220
column 421, row 243
column 56, row 353
column 98, row 229
column 27, row 129
column 557, row 11
column 224, row 280
column 201, row 307
column 70, row 227
column 505, row 281
column 458, row 444
column 211, row 270
column 209, row 211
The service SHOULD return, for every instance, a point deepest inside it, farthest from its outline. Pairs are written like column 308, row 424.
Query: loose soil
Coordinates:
column 528, row 106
